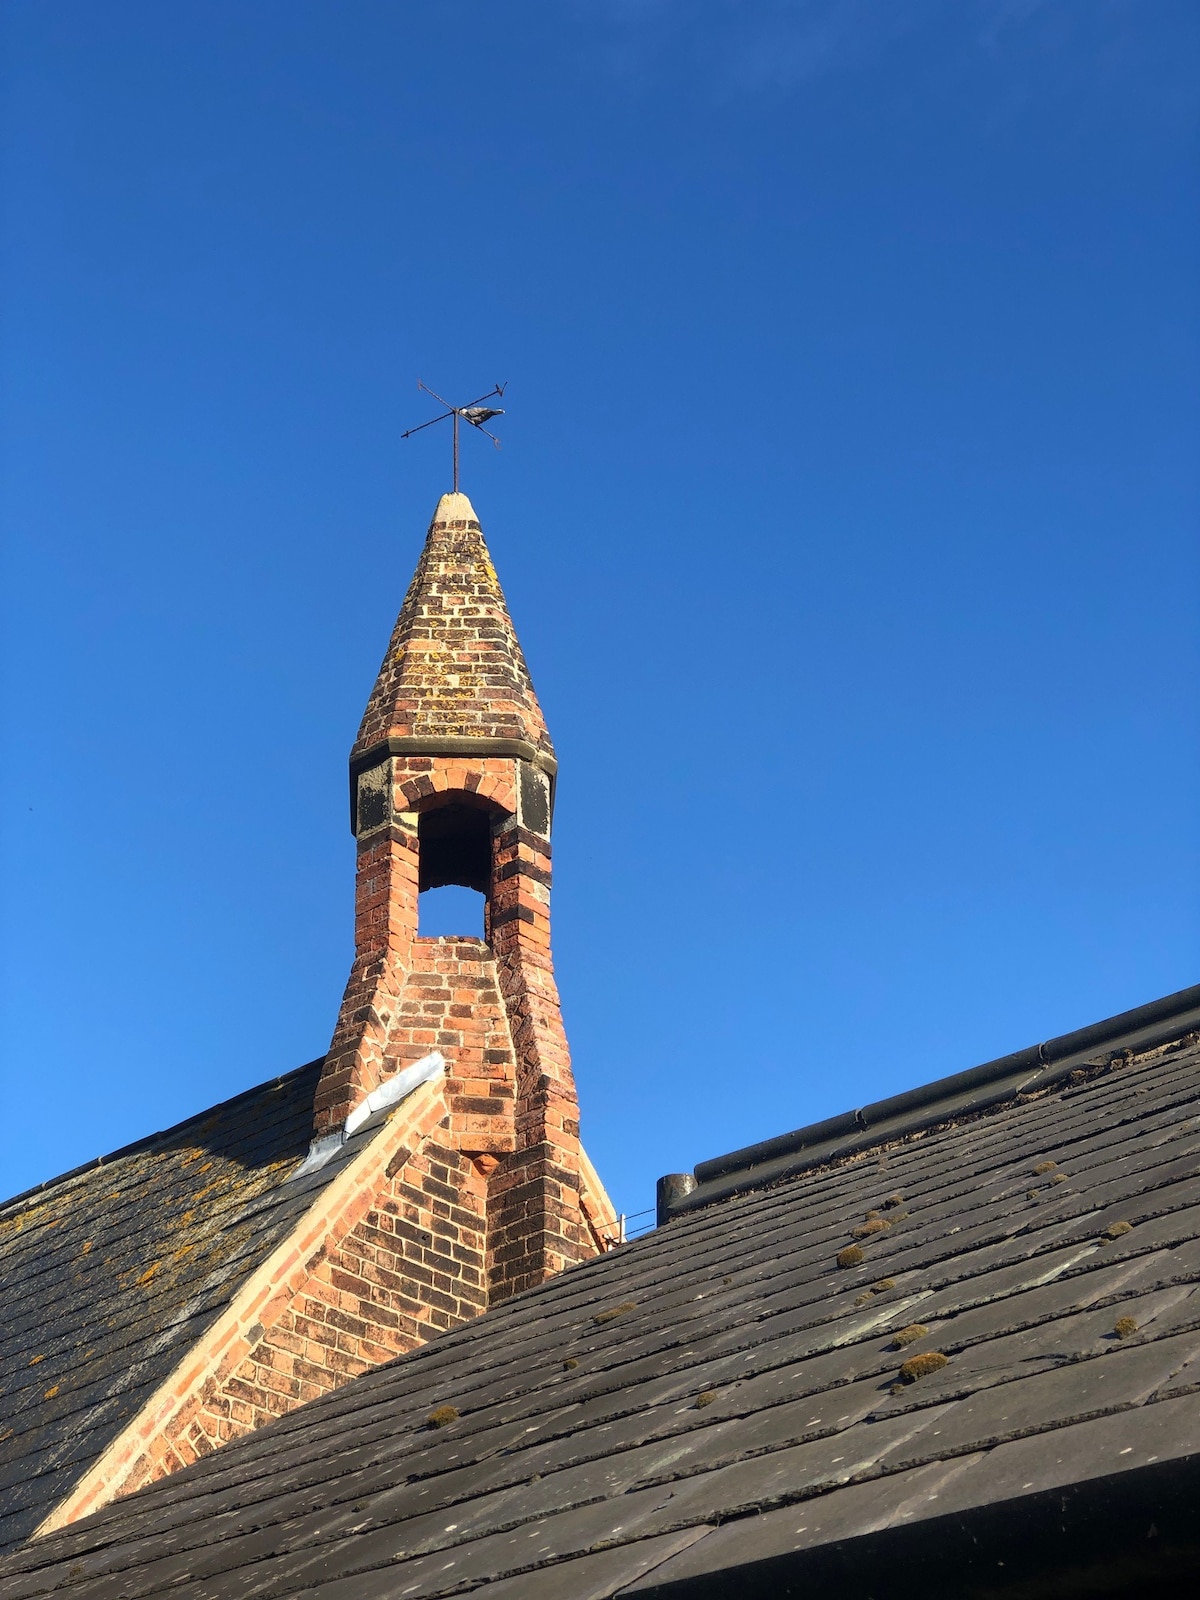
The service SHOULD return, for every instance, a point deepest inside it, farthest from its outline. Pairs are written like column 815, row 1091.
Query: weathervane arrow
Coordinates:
column 476, row 414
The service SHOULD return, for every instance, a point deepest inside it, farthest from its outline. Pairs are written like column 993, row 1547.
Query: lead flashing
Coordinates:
column 388, row 1095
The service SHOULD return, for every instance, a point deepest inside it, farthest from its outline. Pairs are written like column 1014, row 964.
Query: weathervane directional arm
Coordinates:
column 479, row 425
column 475, row 412
column 408, row 432
column 435, row 395
column 497, row 388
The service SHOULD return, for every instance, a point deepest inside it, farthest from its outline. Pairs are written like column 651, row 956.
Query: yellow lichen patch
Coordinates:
column 1124, row 1326
column 921, row 1366
column 1045, row 1166
column 442, row 1417
column 51, row 1392
column 1059, row 1177
column 602, row 1317
column 705, row 1399
column 217, row 1184
column 87, row 1245
column 850, row 1256
column 150, row 1272
column 866, row 1229
column 1116, row 1229
column 33, row 1360
column 914, row 1331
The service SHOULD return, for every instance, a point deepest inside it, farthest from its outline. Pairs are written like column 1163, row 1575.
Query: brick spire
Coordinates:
column 452, row 782
column 453, row 668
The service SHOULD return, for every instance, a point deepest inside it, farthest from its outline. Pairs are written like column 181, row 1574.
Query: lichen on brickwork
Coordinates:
column 453, row 666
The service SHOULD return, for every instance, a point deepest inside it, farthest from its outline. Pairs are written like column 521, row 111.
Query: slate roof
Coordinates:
column 718, row 1408
column 112, row 1271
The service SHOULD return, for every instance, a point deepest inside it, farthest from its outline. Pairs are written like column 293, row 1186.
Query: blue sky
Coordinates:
column 846, row 510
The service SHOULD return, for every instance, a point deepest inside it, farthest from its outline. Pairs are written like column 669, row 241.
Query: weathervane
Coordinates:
column 476, row 414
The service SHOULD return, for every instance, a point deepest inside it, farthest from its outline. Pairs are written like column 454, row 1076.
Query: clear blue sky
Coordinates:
column 847, row 511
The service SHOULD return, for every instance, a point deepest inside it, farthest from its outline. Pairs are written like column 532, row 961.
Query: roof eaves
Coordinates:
column 1140, row 1525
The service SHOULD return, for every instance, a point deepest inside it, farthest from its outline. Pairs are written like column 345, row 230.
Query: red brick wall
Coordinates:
column 453, row 665
column 535, row 1224
column 371, row 1039
column 411, row 1267
column 385, row 923
column 451, row 1002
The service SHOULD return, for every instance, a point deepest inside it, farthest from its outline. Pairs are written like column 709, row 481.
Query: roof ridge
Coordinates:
column 150, row 1139
column 961, row 1093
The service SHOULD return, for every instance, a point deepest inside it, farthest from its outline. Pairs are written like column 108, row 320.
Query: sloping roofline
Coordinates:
column 150, row 1140
column 962, row 1094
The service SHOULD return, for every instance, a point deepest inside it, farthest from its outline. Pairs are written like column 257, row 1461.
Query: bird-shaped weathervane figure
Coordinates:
column 476, row 414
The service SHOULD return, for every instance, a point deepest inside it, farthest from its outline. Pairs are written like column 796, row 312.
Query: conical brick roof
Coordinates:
column 453, row 669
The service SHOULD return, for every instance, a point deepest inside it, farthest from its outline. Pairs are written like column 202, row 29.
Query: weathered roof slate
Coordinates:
column 113, row 1271
column 721, row 1396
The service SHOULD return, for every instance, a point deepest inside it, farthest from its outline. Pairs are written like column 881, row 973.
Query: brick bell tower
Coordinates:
column 452, row 782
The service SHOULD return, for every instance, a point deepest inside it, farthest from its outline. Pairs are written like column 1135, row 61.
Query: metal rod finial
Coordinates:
column 476, row 412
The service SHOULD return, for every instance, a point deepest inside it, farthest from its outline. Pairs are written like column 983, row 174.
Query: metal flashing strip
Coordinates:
column 388, row 1095
column 962, row 1094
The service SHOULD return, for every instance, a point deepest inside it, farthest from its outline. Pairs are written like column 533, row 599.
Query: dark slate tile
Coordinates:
column 841, row 1514
column 1070, row 1393
column 593, row 1577
column 1049, row 1460
column 1070, row 1337
column 378, row 1566
column 761, row 1482
column 102, row 1266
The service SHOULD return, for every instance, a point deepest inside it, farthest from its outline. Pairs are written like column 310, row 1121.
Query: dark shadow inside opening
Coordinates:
column 456, row 847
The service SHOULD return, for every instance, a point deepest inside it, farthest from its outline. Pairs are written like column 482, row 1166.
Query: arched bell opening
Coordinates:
column 454, row 838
